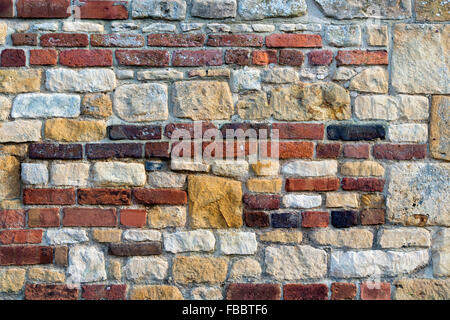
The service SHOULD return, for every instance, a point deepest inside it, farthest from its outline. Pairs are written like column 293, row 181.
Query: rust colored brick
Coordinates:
column 320, row 58
column 363, row 184
column 250, row 130
column 105, row 10
column 343, row 291
column 236, row 40
column 117, row 40
column 43, row 8
column 253, row 291
column 64, row 40
column 328, row 150
column 43, row 57
column 130, row 132
column 294, row 41
column 240, row 57
column 20, row 236
column 399, row 151
column 61, row 256
column 157, row 150
column 190, row 58
column 104, row 196
column 376, row 291
column 86, row 58
column 55, row 151
column 299, row 131
column 361, row 57
column 256, row 219
column 293, row 58
column 133, row 218
column 160, row 196
column 135, row 249
column 175, row 40
column 187, row 128
column 264, row 57
column 291, row 150
column 12, row 219
column 356, row 151
column 25, row 255
column 13, row 58
column 24, row 39
column 305, row 291
column 114, row 150
column 104, row 292
column 49, row 196
column 372, row 217
column 262, row 202
column 43, row 218
column 312, row 184
column 6, row 8
column 83, row 217
column 144, row 58
column 50, row 292
column 315, row 219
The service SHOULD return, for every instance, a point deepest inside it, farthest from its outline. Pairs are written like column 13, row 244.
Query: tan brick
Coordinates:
column 280, row 236
column 155, row 292
column 362, row 168
column 264, row 185
column 110, row 235
column 195, row 269
column 46, row 275
column 74, row 130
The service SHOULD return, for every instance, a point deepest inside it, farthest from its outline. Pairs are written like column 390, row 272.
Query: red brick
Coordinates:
column 25, row 255
column 292, row 58
column 187, row 128
column 315, row 219
column 86, row 58
column 312, row 184
column 253, row 291
column 294, row 41
column 363, row 184
column 261, row 201
column 43, row 218
column 117, row 40
column 43, row 57
column 190, row 58
column 20, row 236
column 49, row 196
column 328, row 150
column 104, row 292
column 64, row 40
column 55, row 151
column 299, row 130
column 235, row 40
column 104, row 196
column 148, row 58
column 13, row 58
column 361, row 57
column 43, row 8
column 356, row 151
column 289, row 150
column 238, row 56
column 106, row 10
column 176, row 40
column 375, row 291
column 11, row 219
column 133, row 218
column 249, row 130
column 160, row 196
column 305, row 291
column 400, row 151
column 24, row 39
column 6, row 8
column 320, row 58
column 50, row 292
column 157, row 150
column 114, row 150
column 264, row 57
column 372, row 217
column 256, row 219
column 81, row 217
column 343, row 291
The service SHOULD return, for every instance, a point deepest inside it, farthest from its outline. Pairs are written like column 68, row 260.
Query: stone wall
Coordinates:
column 94, row 203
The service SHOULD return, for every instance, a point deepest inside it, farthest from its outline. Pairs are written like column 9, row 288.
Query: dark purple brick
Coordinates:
column 135, row 249
column 344, row 219
column 261, row 202
column 253, row 291
column 363, row 184
column 130, row 132
column 315, row 291
column 157, row 150
column 248, row 128
column 55, row 151
column 356, row 132
column 24, row 39
column 284, row 220
column 114, row 150
column 256, row 219
column 13, row 58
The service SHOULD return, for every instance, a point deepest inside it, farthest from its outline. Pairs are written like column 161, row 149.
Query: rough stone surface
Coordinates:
column 391, row 107
column 142, row 235
column 20, row 131
column 167, row 216
column 280, row 236
column 404, row 237
column 199, row 240
column 166, row 180
column 260, row 9
column 214, row 8
column 86, row 264
column 311, row 169
column 230, row 168
column 302, row 201
column 18, row 80
column 374, row 80
column 207, row 293
column 9, row 177
column 70, row 174
column 237, row 243
column 156, row 292
column 342, row 200
column 254, row 106
column 66, row 236
column 160, row 9
column 118, row 173
column 362, row 168
column 440, row 128
column 12, row 280
column 350, row 238
column 409, row 133
column 342, row 9
column 432, row 10
column 69, row 130
column 96, row 105
column 140, row 269
column 38, row 105
column 34, row 173
column 245, row 268
column 344, row 36
column 195, row 269
column 422, row 289
column 85, row 80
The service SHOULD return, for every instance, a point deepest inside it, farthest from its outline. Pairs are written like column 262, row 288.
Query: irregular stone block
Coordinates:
column 440, row 128
column 86, row 264
column 84, row 80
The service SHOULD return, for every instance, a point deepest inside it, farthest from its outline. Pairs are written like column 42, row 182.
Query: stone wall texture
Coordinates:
column 94, row 204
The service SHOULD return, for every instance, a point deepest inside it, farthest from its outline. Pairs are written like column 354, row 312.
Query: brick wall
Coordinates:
column 95, row 202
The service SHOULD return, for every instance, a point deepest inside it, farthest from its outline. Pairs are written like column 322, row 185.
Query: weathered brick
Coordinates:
column 293, row 58
column 144, row 58
column 372, row 217
column 343, row 291
column 312, row 184
column 135, row 249
column 235, row 40
column 55, row 151
column 256, row 219
column 20, row 236
column 49, row 196
column 187, row 127
column 175, row 40
column 315, row 219
column 24, row 39
column 43, row 57
column 43, row 218
column 133, row 218
column 238, row 56
column 12, row 219
column 229, row 130
column 284, row 220
column 86, row 58
column 160, row 196
column 13, row 58
column 104, row 196
column 294, row 41
column 363, row 184
column 360, row 57
column 261, row 202
column 130, row 132
column 356, row 132
column 316, row 291
column 50, row 292
column 399, row 151
column 25, row 255
column 117, row 40
column 190, row 58
column 43, row 8
column 320, row 58
column 328, row 150
column 375, row 291
column 356, row 151
column 61, row 256
column 264, row 57
column 106, row 10
column 299, row 131
column 114, row 150
column 157, row 150
column 6, row 8
column 81, row 217
column 290, row 150
column 64, row 40
column 344, row 219
column 104, row 292
column 250, row 291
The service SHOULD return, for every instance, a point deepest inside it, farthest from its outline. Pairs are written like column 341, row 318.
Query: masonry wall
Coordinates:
column 94, row 204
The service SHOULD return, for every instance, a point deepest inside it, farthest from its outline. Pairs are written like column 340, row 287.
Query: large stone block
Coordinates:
column 422, row 289
column 84, row 80
column 20, row 131
column 260, row 9
column 214, row 9
column 195, row 269
column 39, row 105
column 86, row 264
column 19, row 80
column 159, row 9
column 381, row 9
column 440, row 128
column 9, row 177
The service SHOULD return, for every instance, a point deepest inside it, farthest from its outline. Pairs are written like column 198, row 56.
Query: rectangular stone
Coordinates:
column 20, row 131
column 18, row 80
column 310, row 168
column 84, row 80
column 136, row 249
column 119, row 173
column 130, row 132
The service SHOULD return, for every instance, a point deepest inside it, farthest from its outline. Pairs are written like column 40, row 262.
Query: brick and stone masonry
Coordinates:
column 95, row 205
